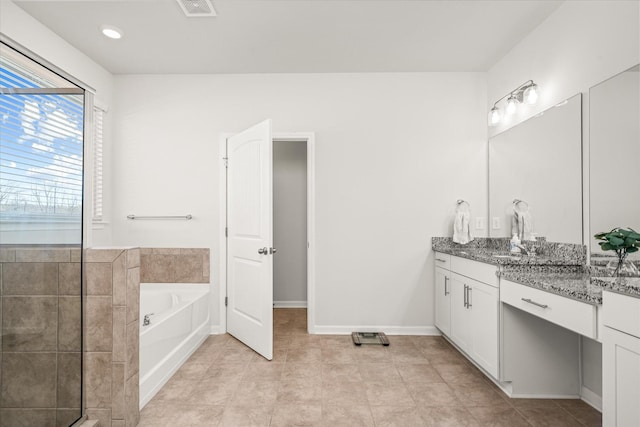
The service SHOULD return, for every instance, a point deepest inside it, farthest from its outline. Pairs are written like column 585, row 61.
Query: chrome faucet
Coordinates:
column 147, row 319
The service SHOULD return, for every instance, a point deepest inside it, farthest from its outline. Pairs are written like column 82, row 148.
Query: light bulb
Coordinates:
column 531, row 94
column 494, row 116
column 512, row 104
column 111, row 32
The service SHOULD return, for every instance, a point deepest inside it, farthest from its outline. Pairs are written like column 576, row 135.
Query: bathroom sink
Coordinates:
column 507, row 257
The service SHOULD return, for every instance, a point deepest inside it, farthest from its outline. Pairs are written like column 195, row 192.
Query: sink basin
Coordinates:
column 506, row 256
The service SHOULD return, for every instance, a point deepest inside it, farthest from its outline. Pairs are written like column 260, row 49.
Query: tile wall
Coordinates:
column 40, row 319
column 112, row 278
column 174, row 265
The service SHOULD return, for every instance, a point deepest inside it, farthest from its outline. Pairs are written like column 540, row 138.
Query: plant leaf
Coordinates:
column 632, row 249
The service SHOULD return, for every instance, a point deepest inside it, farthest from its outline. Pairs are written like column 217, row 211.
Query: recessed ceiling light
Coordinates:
column 111, row 32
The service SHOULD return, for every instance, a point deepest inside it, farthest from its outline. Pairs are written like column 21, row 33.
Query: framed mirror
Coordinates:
column 614, row 155
column 539, row 163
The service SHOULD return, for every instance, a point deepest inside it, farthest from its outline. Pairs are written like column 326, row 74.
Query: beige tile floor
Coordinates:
column 317, row 380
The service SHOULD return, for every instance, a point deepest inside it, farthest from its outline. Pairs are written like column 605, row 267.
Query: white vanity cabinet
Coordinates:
column 443, row 293
column 467, row 303
column 621, row 361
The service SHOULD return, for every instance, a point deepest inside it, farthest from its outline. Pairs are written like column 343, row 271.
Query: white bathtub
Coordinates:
column 179, row 325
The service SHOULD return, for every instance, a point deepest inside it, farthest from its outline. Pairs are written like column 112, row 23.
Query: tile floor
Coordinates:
column 325, row 380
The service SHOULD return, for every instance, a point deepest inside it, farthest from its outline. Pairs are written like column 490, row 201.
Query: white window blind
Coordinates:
column 98, row 117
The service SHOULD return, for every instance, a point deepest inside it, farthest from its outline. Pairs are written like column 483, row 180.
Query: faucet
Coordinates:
column 147, row 319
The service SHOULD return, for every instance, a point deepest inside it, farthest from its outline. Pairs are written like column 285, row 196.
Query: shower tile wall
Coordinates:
column 112, row 308
column 174, row 265
column 40, row 319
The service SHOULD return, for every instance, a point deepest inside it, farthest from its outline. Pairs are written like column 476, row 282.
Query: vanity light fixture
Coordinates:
column 526, row 93
column 111, row 32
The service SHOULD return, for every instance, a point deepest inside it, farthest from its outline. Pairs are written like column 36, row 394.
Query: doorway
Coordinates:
column 308, row 140
column 290, row 224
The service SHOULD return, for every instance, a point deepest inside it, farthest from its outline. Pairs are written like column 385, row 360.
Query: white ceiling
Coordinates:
column 294, row 36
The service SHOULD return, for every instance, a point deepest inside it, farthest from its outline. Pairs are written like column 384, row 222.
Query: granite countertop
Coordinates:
column 505, row 258
column 576, row 286
column 561, row 272
column 629, row 286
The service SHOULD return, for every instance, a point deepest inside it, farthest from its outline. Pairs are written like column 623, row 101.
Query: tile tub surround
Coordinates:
column 112, row 308
column 174, row 265
column 483, row 249
column 40, row 320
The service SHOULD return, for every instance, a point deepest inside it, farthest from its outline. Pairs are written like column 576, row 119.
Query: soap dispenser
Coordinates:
column 514, row 244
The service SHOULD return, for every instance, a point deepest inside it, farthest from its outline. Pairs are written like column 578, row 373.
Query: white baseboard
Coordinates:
column 591, row 398
column 215, row 330
column 289, row 304
column 389, row 330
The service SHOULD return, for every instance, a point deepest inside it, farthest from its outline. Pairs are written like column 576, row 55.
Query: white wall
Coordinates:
column 577, row 47
column 393, row 153
column 290, row 223
column 31, row 34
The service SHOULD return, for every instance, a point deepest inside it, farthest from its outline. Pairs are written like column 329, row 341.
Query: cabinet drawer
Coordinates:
column 571, row 314
column 621, row 313
column 485, row 273
column 443, row 260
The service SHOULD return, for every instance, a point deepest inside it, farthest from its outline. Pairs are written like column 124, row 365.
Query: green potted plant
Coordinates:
column 623, row 242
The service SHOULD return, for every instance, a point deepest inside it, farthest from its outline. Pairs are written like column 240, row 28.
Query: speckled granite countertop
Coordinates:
column 504, row 258
column 629, row 286
column 576, row 286
column 562, row 273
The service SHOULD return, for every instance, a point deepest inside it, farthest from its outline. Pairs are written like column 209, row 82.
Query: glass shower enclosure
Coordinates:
column 41, row 204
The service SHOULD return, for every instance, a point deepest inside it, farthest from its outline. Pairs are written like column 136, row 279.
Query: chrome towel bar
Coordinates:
column 187, row 217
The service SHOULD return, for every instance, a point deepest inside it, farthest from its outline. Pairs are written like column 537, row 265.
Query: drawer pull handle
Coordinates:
column 441, row 260
column 534, row 303
column 446, row 281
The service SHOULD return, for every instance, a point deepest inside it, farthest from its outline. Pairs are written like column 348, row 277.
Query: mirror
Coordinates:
column 614, row 146
column 539, row 161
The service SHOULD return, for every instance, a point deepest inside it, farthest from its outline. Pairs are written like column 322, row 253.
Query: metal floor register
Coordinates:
column 360, row 338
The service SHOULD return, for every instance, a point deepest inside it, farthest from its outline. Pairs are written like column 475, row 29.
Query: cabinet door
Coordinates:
column 443, row 301
column 460, row 314
column 483, row 302
column 620, row 379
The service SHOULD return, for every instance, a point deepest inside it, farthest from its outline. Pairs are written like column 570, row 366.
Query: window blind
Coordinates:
column 98, row 117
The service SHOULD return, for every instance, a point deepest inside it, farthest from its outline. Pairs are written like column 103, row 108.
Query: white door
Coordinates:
column 250, row 237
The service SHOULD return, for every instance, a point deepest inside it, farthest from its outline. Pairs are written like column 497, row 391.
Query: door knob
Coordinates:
column 263, row 251
column 272, row 250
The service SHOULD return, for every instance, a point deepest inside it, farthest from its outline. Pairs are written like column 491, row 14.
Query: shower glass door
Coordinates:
column 41, row 176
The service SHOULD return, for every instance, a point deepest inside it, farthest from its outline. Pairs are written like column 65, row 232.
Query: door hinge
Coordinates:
column 226, row 162
column 226, row 301
column 226, row 232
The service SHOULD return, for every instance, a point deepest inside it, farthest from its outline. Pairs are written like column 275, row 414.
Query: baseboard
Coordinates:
column 593, row 399
column 215, row 330
column 389, row 330
column 289, row 304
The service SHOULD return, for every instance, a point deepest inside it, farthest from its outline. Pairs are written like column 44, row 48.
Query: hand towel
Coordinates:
column 461, row 229
column 521, row 221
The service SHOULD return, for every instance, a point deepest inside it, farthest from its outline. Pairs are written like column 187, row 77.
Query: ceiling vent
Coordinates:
column 195, row 8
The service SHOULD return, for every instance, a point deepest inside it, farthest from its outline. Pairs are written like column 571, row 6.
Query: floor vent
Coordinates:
column 196, row 8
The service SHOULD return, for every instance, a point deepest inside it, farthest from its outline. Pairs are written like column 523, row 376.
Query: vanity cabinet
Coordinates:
column 467, row 300
column 621, row 361
column 474, row 320
column 443, row 293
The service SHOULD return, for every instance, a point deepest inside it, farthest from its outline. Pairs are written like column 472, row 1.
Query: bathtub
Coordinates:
column 179, row 324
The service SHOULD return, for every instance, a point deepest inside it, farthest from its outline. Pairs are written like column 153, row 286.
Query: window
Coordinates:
column 41, row 153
